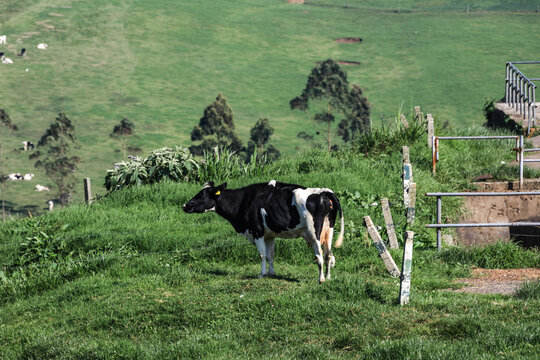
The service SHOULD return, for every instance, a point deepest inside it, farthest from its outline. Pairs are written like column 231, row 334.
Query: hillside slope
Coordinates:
column 161, row 62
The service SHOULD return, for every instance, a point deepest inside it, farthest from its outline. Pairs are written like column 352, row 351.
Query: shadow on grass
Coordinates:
column 273, row 277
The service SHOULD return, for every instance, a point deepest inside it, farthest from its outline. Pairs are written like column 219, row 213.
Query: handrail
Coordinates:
column 520, row 91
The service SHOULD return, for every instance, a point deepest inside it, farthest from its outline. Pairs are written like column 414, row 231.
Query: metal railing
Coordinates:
column 439, row 225
column 520, row 91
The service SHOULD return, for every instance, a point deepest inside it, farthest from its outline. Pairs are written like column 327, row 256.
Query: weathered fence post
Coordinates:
column 407, row 175
column 411, row 211
column 87, row 191
column 390, row 229
column 404, row 121
column 381, row 248
column 430, row 130
column 406, row 269
column 418, row 114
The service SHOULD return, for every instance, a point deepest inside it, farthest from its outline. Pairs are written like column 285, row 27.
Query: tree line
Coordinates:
column 334, row 107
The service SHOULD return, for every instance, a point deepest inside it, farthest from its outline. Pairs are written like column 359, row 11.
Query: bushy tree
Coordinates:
column 216, row 129
column 329, row 96
column 260, row 136
column 5, row 121
column 54, row 155
column 122, row 132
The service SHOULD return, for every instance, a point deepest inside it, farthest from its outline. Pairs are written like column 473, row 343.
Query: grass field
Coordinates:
column 133, row 277
column 161, row 62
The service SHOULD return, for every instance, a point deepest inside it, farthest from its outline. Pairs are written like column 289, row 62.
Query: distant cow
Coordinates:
column 3, row 39
column 28, row 145
column 6, row 60
column 15, row 176
column 22, row 53
column 42, row 46
column 262, row 212
column 28, row 177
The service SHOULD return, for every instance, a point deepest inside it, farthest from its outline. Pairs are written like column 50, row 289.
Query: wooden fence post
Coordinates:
column 404, row 121
column 407, row 180
column 430, row 130
column 381, row 248
column 390, row 229
column 411, row 211
column 417, row 113
column 406, row 268
column 87, row 191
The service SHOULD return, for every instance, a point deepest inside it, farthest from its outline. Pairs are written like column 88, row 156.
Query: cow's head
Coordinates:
column 205, row 200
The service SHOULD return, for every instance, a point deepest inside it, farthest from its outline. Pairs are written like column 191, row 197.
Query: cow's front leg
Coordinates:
column 261, row 246
column 270, row 255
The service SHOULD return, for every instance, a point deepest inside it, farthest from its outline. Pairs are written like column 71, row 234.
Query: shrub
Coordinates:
column 390, row 139
column 529, row 290
column 174, row 164
column 224, row 164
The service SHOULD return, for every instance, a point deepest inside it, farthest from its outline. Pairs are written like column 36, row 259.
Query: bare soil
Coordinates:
column 348, row 40
column 497, row 281
column 344, row 62
column 501, row 209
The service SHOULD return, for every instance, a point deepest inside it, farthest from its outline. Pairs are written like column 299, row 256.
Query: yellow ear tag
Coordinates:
column 218, row 192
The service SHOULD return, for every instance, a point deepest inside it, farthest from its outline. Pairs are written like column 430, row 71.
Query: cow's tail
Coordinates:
column 339, row 240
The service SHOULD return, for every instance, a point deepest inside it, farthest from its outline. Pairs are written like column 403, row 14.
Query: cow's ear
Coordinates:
column 217, row 190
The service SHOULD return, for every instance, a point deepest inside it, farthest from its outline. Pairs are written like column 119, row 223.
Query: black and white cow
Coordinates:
column 262, row 212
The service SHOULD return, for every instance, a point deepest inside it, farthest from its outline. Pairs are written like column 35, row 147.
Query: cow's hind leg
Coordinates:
column 261, row 247
column 269, row 242
column 326, row 239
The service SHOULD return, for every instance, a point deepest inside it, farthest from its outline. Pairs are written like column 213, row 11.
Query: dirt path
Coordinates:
column 497, row 281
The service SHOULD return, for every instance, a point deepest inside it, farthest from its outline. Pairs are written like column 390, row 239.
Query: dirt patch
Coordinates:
column 501, row 209
column 348, row 40
column 497, row 281
column 344, row 62
column 295, row 1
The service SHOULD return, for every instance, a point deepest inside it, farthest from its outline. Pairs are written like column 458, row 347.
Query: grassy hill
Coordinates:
column 161, row 62
column 133, row 277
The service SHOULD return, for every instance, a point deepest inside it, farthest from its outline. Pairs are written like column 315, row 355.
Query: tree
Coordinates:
column 327, row 96
column 260, row 136
column 216, row 128
column 54, row 155
column 122, row 132
column 5, row 120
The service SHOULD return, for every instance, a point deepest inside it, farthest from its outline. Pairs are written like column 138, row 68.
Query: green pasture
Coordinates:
column 161, row 62
column 133, row 277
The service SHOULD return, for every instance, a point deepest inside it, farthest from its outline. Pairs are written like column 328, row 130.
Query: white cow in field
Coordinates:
column 6, row 60
column 41, row 188
column 51, row 205
column 28, row 177
column 3, row 39
column 42, row 46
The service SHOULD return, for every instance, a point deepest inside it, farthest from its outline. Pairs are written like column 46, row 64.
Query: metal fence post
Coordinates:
column 520, row 162
column 439, row 221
